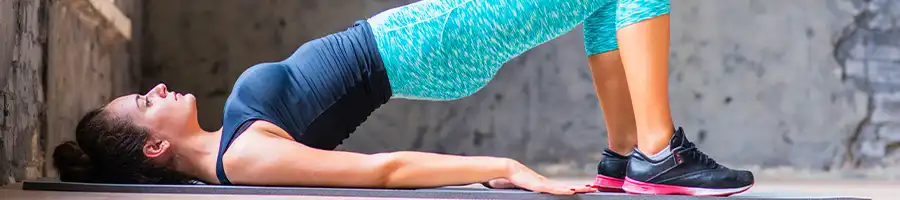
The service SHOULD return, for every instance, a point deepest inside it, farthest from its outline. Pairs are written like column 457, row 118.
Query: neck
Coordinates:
column 195, row 153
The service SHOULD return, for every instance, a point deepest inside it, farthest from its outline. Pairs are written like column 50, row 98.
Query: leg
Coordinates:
column 643, row 33
column 615, row 100
column 645, row 53
column 612, row 90
column 449, row 49
column 609, row 78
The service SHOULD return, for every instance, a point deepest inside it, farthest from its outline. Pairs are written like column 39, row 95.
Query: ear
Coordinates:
column 155, row 148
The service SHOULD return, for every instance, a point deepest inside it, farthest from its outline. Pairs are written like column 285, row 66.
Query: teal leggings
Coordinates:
column 449, row 49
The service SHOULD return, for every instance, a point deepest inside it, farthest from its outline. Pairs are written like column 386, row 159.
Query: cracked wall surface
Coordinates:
column 757, row 80
column 766, row 83
column 90, row 63
column 22, row 32
column 57, row 59
column 869, row 51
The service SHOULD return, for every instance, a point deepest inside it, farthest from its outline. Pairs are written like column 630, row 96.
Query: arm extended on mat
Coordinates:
column 288, row 163
column 285, row 162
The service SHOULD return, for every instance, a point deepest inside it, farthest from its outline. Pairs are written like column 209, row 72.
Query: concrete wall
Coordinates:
column 57, row 60
column 91, row 61
column 761, row 83
column 22, row 60
column 870, row 53
column 758, row 84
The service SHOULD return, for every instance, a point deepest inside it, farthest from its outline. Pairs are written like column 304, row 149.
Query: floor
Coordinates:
column 864, row 189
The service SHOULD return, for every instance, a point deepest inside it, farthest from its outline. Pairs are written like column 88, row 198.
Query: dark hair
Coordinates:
column 109, row 149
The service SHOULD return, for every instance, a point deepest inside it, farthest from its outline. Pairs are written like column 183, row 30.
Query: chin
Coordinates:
column 189, row 104
column 190, row 100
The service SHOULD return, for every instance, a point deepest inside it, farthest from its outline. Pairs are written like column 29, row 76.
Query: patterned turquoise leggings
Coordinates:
column 449, row 49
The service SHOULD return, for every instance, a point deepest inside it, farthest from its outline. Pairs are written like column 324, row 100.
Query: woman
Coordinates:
column 283, row 119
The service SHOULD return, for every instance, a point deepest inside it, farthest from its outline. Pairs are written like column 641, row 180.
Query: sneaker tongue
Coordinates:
column 678, row 138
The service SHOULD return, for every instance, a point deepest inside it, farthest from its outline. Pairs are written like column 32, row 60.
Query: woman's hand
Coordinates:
column 525, row 178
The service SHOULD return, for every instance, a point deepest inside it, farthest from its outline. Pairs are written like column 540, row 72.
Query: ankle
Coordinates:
column 652, row 142
column 622, row 150
column 653, row 147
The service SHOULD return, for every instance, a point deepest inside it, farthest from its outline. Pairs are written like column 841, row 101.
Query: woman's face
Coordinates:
column 166, row 113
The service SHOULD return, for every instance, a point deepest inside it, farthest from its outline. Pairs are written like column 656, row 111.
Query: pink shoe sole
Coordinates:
column 608, row 184
column 637, row 187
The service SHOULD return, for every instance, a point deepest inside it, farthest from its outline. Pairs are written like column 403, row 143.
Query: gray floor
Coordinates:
column 863, row 189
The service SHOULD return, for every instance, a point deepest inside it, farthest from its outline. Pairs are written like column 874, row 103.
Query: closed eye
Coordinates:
column 147, row 102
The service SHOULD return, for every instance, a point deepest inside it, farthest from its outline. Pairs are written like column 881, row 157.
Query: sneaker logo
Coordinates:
column 678, row 158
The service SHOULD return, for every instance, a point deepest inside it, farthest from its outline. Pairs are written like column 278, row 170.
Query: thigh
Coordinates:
column 449, row 49
column 633, row 11
column 600, row 29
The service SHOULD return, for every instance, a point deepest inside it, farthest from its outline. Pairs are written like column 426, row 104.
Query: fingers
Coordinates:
column 585, row 189
column 558, row 189
column 555, row 190
column 577, row 189
column 526, row 178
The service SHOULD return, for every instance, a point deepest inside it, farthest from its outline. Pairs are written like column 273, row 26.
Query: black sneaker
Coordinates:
column 611, row 172
column 685, row 171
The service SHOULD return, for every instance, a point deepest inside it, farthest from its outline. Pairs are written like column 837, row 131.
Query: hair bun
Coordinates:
column 73, row 164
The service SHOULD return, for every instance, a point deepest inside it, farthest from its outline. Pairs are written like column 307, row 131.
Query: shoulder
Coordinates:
column 256, row 135
column 260, row 144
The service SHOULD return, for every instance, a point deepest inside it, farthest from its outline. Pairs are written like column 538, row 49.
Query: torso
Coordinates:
column 317, row 97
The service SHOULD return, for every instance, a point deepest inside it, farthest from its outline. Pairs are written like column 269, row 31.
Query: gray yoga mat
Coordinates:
column 432, row 193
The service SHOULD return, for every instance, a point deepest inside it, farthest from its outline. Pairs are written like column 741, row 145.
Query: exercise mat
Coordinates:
column 431, row 193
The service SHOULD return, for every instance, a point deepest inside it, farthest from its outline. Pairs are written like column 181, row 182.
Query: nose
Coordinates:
column 160, row 90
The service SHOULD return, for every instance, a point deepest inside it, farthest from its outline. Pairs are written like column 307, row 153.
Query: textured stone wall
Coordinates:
column 22, row 60
column 869, row 51
column 91, row 62
column 764, row 83
column 57, row 59
column 755, row 81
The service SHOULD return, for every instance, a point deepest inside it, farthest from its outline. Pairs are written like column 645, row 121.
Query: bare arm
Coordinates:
column 285, row 162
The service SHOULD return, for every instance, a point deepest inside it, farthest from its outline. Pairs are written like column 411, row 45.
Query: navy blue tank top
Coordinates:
column 319, row 95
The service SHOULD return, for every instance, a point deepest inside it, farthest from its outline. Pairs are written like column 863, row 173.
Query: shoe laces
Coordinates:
column 698, row 155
